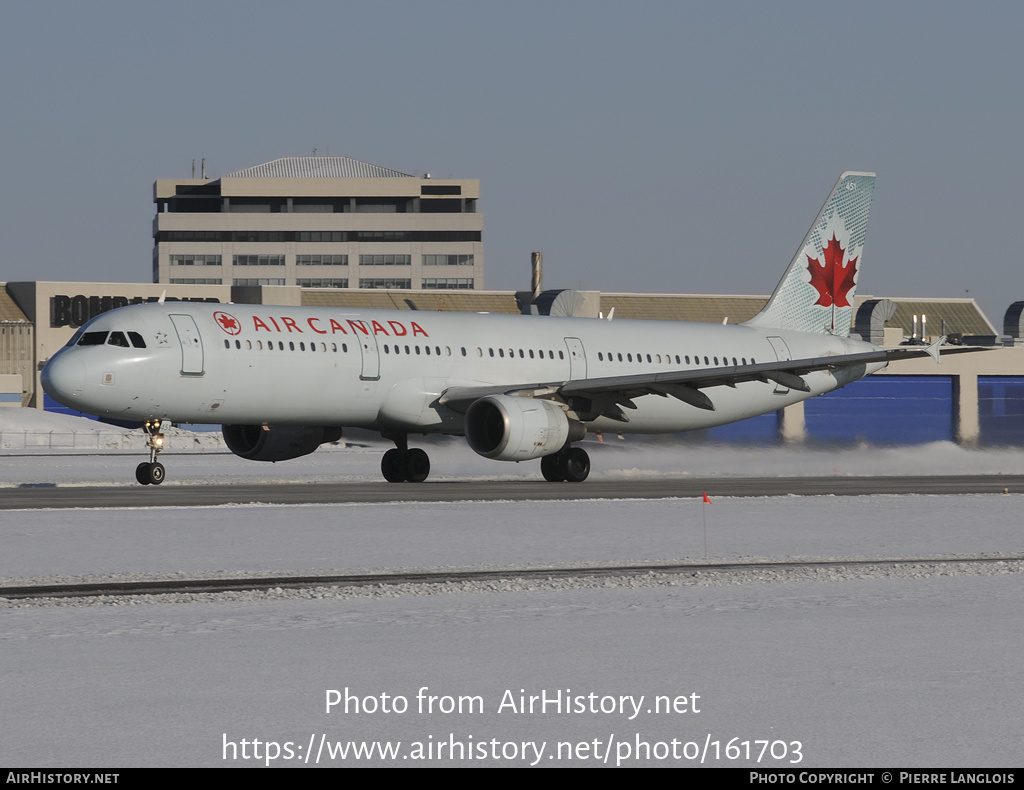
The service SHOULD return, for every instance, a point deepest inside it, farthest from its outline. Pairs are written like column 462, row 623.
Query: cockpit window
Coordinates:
column 137, row 340
column 118, row 339
column 93, row 339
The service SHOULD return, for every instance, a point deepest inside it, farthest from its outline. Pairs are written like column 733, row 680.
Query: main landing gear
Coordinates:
column 570, row 464
column 153, row 472
column 402, row 465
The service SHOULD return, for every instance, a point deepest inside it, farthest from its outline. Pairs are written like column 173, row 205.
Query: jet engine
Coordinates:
column 276, row 442
column 508, row 428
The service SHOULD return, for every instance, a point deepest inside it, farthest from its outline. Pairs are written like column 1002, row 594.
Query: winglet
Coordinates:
column 933, row 350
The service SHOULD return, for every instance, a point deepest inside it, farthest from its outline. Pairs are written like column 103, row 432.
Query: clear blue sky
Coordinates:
column 661, row 147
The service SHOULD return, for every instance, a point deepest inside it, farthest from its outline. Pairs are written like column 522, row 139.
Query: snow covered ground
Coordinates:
column 898, row 667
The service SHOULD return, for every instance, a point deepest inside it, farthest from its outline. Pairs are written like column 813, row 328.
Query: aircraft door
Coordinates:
column 191, row 345
column 577, row 358
column 782, row 355
column 370, row 356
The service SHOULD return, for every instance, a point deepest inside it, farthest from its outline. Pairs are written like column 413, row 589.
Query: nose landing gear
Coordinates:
column 152, row 473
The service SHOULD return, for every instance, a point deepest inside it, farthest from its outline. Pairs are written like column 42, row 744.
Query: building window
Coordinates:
column 322, row 235
column 386, row 282
column 258, row 260
column 189, row 235
column 441, row 189
column 323, row 282
column 385, row 260
column 195, row 260
column 257, row 235
column 258, row 281
column 383, row 235
column 448, row 260
column 321, row 260
column 448, row 283
column 195, row 281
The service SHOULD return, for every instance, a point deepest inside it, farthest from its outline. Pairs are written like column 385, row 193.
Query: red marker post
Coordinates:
column 704, row 517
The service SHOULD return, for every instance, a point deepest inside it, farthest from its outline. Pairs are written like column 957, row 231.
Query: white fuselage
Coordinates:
column 385, row 370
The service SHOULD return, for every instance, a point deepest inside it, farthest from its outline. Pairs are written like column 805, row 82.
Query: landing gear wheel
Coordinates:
column 150, row 474
column 417, row 464
column 393, row 466
column 577, row 464
column 552, row 468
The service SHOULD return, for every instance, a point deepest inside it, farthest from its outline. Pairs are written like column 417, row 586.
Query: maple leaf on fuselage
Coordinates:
column 831, row 279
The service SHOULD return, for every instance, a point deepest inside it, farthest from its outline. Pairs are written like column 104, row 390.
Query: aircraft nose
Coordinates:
column 64, row 378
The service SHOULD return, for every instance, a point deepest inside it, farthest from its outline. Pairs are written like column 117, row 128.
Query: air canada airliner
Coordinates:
column 284, row 380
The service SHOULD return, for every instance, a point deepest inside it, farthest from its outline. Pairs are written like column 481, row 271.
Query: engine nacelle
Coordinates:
column 276, row 442
column 507, row 428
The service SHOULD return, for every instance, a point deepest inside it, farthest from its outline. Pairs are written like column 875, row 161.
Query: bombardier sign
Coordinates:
column 74, row 311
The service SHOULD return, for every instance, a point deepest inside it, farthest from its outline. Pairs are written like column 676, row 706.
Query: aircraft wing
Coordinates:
column 605, row 397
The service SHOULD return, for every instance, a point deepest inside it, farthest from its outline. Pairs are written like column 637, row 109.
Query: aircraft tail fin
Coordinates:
column 816, row 292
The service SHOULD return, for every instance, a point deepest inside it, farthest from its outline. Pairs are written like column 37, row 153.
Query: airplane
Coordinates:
column 283, row 380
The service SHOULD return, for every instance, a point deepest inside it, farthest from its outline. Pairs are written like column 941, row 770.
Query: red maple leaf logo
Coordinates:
column 228, row 323
column 832, row 280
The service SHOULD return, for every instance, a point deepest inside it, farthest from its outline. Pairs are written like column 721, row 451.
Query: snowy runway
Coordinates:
column 839, row 670
column 869, row 671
